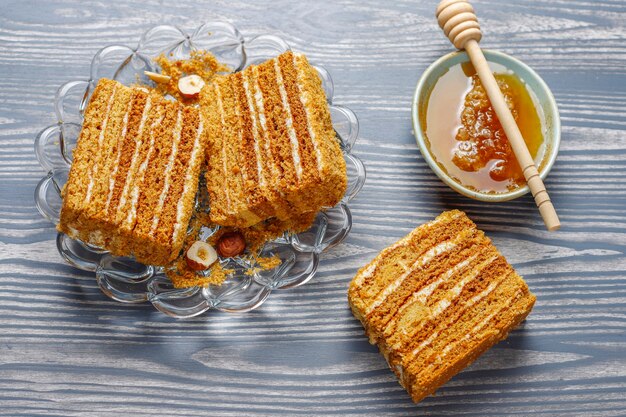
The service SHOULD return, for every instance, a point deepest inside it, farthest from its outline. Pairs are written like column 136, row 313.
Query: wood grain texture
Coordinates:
column 67, row 350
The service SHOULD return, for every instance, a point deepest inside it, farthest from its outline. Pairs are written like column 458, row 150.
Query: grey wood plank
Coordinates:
column 67, row 350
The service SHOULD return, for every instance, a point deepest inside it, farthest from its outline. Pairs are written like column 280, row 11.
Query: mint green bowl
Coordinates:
column 546, row 105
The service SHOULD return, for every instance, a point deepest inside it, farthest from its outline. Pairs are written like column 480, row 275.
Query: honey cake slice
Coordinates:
column 436, row 300
column 134, row 174
column 273, row 152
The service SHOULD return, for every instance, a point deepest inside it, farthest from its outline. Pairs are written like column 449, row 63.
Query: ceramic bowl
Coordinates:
column 545, row 100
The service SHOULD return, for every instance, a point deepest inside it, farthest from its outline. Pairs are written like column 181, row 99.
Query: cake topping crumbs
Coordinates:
column 231, row 244
column 200, row 63
column 200, row 256
column 269, row 262
column 184, row 277
column 264, row 263
column 190, row 86
column 157, row 78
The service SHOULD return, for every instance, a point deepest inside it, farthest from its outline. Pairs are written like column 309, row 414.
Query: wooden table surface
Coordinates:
column 67, row 350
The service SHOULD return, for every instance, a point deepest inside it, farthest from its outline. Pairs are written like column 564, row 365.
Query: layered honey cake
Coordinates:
column 134, row 174
column 437, row 299
column 272, row 152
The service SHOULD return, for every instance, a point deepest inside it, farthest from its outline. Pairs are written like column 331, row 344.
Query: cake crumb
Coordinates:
column 184, row 277
column 201, row 63
column 268, row 262
column 265, row 263
column 256, row 236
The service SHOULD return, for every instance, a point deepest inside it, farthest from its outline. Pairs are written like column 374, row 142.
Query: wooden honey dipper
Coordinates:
column 459, row 23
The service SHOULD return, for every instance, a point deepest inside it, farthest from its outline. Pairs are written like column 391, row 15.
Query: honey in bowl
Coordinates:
column 464, row 134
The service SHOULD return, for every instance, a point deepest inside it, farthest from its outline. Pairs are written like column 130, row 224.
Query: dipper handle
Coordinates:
column 459, row 23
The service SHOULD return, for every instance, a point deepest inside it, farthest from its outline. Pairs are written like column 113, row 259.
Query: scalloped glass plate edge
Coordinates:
column 52, row 149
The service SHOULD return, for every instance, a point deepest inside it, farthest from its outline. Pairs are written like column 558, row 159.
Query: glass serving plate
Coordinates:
column 124, row 279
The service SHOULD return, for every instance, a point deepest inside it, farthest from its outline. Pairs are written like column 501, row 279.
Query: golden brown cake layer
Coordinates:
column 134, row 174
column 437, row 299
column 273, row 152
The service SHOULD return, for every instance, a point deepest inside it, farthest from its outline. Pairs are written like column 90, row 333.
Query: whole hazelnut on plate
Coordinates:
column 200, row 256
column 190, row 86
column 231, row 244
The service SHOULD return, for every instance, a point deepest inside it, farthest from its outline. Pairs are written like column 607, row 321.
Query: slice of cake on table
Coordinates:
column 134, row 175
column 272, row 152
column 437, row 299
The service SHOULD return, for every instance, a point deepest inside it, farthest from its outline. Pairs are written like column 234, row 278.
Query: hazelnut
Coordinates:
column 190, row 86
column 200, row 256
column 231, row 244
column 158, row 78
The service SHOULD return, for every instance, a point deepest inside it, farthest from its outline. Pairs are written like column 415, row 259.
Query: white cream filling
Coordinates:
column 295, row 146
column 168, row 171
column 367, row 272
column 487, row 319
column 456, row 290
column 260, row 104
column 135, row 157
column 120, row 144
column 132, row 213
column 220, row 106
column 479, row 326
column 255, row 130
column 422, row 295
column 371, row 268
column 419, row 263
column 306, row 100
column 442, row 305
column 403, row 265
column 193, row 162
column 424, row 344
column 483, row 294
column 94, row 167
column 96, row 238
column 258, row 95
column 73, row 233
column 244, row 172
